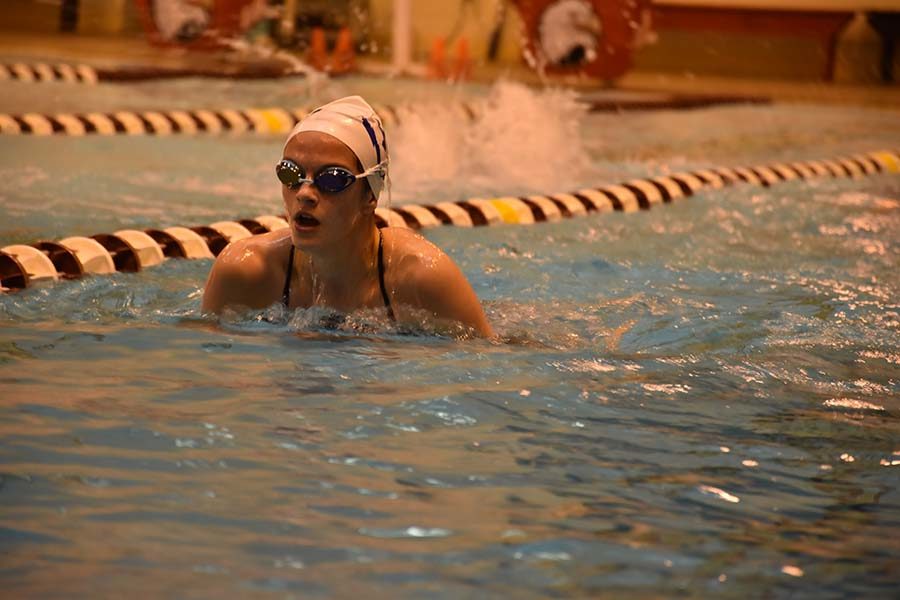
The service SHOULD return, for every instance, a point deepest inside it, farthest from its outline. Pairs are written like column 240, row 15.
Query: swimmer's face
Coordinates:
column 319, row 218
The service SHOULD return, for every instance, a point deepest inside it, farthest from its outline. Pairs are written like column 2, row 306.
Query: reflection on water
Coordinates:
column 699, row 400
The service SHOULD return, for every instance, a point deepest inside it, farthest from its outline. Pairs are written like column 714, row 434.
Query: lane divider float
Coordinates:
column 151, row 122
column 266, row 121
column 44, row 72
column 130, row 250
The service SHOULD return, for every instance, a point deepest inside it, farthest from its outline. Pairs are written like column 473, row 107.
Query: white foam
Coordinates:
column 519, row 142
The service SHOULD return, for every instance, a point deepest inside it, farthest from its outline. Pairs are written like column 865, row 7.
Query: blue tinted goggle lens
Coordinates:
column 331, row 180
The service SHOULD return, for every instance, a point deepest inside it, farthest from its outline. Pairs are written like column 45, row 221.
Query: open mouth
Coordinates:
column 303, row 220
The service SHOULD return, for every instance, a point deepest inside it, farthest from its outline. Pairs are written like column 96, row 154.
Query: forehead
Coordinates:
column 314, row 148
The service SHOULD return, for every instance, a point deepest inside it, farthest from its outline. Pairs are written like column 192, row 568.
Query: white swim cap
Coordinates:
column 354, row 122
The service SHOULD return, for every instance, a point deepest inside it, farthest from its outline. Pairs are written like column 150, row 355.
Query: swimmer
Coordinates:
column 334, row 165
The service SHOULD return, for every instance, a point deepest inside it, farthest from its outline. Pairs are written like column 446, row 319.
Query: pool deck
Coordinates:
column 636, row 90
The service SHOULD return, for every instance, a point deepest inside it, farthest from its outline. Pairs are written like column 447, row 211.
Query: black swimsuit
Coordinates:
column 286, row 294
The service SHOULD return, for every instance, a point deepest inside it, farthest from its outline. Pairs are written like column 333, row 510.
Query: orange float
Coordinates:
column 596, row 38
column 437, row 59
column 343, row 59
column 317, row 57
column 462, row 68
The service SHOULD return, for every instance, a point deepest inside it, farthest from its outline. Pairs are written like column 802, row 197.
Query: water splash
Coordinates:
column 519, row 141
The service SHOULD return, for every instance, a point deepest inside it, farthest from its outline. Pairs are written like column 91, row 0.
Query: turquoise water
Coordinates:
column 699, row 400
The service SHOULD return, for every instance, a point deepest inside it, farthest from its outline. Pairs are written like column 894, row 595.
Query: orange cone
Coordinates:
column 318, row 50
column 343, row 60
column 462, row 69
column 437, row 60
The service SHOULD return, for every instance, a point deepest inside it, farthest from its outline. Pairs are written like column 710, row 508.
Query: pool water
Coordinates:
column 699, row 400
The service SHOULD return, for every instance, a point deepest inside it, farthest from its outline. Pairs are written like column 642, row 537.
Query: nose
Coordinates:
column 305, row 194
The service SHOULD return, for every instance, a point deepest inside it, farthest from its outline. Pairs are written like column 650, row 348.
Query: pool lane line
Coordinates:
column 126, row 250
column 44, row 72
column 151, row 122
column 131, row 250
column 266, row 121
column 41, row 72
column 629, row 196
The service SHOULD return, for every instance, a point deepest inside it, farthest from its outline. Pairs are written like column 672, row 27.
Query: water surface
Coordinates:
column 699, row 400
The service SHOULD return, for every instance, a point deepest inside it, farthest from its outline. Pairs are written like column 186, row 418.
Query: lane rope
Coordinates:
column 264, row 121
column 130, row 250
column 152, row 122
column 45, row 72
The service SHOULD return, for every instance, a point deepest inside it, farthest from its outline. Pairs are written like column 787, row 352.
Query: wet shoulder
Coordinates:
column 411, row 261
column 248, row 273
column 406, row 249
column 257, row 258
column 421, row 277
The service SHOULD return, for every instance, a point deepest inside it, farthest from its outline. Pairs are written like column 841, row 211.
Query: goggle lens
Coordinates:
column 331, row 180
column 334, row 179
column 288, row 173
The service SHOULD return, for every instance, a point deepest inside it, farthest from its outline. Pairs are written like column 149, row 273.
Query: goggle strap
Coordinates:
column 379, row 168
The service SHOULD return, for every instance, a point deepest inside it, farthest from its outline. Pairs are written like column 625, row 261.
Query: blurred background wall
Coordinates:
column 495, row 25
column 90, row 17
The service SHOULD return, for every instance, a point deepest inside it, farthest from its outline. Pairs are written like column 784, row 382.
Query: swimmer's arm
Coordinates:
column 444, row 292
column 238, row 279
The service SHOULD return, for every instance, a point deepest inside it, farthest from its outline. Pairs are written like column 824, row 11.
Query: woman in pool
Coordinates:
column 334, row 166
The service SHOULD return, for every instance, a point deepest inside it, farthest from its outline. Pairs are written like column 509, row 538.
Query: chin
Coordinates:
column 307, row 240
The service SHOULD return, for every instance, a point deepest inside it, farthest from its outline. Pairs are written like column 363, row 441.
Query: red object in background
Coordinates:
column 317, row 57
column 224, row 22
column 343, row 59
column 437, row 59
column 226, row 17
column 438, row 67
column 615, row 33
column 462, row 68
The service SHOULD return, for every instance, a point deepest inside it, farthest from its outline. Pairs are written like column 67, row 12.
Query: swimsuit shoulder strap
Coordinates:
column 384, row 294
column 286, row 293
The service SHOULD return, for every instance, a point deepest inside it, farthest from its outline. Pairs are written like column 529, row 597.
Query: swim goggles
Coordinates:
column 330, row 179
